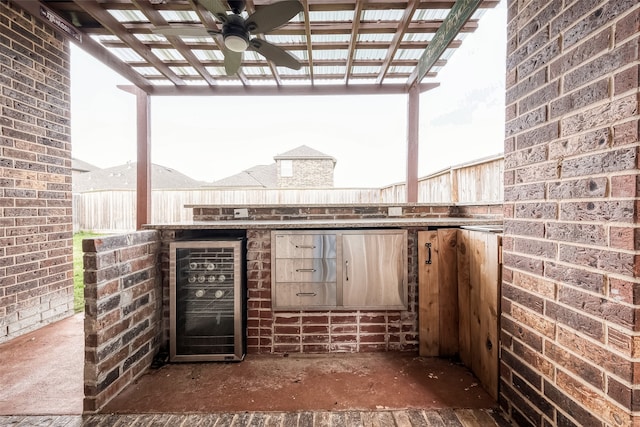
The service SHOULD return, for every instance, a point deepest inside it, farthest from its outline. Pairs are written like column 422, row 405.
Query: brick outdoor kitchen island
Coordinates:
column 267, row 330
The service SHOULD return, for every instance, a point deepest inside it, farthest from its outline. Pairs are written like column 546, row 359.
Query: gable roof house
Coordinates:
column 305, row 167
column 302, row 167
column 123, row 177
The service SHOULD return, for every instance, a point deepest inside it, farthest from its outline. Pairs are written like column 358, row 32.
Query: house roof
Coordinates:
column 343, row 46
column 123, row 177
column 303, row 152
column 262, row 176
column 266, row 176
column 82, row 166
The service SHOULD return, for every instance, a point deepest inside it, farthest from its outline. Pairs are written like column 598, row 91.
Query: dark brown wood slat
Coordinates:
column 330, row 27
column 108, row 21
column 250, row 8
column 309, row 47
column 315, row 5
column 291, row 90
column 156, row 19
column 417, row 45
column 353, row 41
column 397, row 38
column 317, row 62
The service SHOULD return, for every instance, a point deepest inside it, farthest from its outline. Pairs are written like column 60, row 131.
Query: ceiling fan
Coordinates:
column 237, row 30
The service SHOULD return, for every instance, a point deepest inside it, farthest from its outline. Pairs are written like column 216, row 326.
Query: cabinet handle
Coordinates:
column 306, row 294
column 346, row 269
column 305, row 270
column 428, row 246
column 305, row 246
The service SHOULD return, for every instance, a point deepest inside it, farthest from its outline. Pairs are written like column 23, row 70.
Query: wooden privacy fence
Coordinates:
column 479, row 181
column 115, row 210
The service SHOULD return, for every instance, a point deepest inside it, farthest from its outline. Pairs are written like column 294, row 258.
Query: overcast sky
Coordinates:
column 211, row 138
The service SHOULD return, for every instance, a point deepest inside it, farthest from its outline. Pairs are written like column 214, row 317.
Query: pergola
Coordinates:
column 345, row 47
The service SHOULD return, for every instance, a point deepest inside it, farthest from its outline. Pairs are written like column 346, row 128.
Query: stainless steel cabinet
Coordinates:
column 339, row 269
column 374, row 270
column 304, row 271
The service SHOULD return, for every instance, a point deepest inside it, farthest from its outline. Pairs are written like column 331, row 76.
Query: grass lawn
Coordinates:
column 78, row 274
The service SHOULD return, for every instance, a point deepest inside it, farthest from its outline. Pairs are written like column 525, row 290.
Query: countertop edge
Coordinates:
column 325, row 223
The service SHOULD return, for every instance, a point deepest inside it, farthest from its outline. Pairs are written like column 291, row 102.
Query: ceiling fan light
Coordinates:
column 236, row 43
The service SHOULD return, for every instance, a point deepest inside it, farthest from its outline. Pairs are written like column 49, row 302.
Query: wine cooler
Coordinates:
column 207, row 308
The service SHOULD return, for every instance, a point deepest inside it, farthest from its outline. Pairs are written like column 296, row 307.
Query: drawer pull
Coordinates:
column 306, row 294
column 305, row 246
column 305, row 270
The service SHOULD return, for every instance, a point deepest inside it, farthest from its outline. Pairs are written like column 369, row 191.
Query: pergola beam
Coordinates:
column 352, row 89
column 456, row 21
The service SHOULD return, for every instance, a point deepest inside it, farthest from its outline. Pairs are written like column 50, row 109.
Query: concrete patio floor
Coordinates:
column 325, row 382
column 41, row 377
column 41, row 372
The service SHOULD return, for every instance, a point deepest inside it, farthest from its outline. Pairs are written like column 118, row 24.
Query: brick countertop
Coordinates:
column 329, row 224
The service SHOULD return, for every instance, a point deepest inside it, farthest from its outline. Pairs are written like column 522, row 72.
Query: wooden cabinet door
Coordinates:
column 479, row 276
column 374, row 271
column 459, row 297
column 437, row 293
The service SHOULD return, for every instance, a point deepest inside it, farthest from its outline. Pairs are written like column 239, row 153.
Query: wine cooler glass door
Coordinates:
column 206, row 304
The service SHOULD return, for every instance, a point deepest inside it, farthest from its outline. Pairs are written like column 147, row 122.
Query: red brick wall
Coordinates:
column 317, row 331
column 36, row 249
column 123, row 312
column 570, row 282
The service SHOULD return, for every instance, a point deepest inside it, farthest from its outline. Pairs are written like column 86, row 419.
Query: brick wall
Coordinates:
column 123, row 312
column 308, row 173
column 36, row 249
column 570, row 282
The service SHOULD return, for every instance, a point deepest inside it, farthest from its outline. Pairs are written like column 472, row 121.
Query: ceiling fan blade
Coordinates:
column 169, row 30
column 232, row 61
column 273, row 16
column 275, row 54
column 216, row 7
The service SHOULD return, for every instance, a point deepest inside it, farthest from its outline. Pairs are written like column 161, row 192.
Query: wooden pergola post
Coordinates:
column 413, row 124
column 143, row 182
column 143, row 153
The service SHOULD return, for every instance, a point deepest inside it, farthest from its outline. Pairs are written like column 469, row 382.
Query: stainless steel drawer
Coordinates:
column 299, row 295
column 305, row 246
column 305, row 270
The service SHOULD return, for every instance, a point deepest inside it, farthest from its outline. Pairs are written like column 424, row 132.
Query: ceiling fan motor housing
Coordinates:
column 235, row 34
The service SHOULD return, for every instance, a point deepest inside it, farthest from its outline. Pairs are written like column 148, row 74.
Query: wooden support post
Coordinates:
column 143, row 185
column 413, row 124
column 143, row 169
